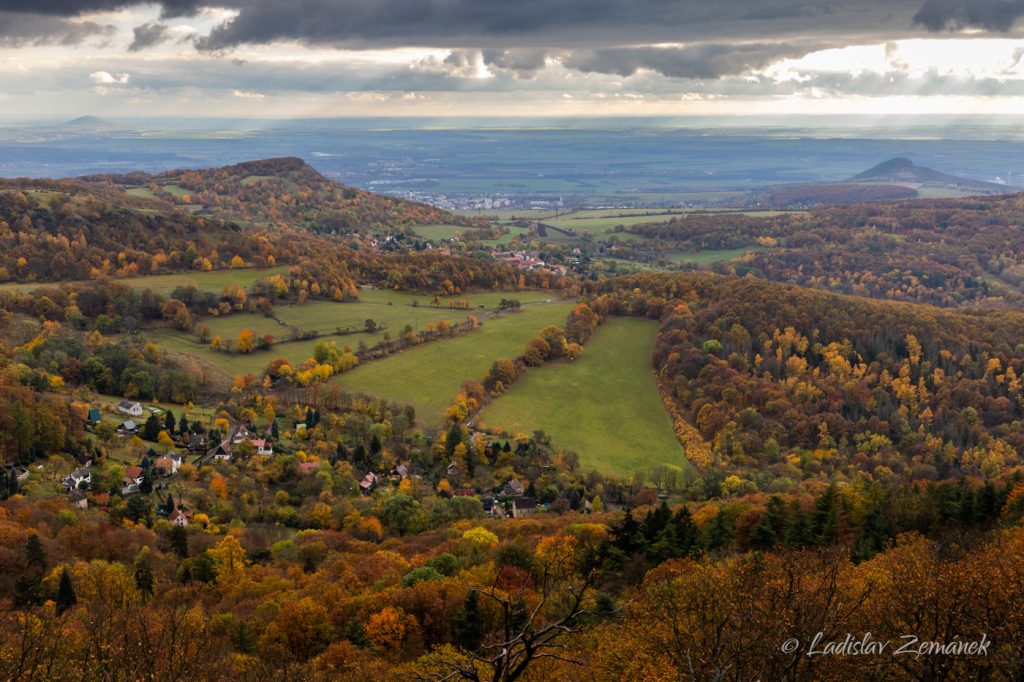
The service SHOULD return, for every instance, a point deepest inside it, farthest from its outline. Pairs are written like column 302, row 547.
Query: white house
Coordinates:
column 132, row 480
column 178, row 518
column 263, row 447
column 130, row 408
column 168, row 464
column 224, row 451
column 77, row 477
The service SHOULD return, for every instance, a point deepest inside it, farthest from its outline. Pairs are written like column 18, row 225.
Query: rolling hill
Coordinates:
column 895, row 179
column 904, row 171
column 280, row 191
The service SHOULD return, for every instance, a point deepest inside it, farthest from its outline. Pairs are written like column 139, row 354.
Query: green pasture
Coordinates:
column 604, row 406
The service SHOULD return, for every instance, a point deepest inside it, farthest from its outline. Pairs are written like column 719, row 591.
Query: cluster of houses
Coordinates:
column 225, row 450
column 509, row 502
column 371, row 480
column 527, row 261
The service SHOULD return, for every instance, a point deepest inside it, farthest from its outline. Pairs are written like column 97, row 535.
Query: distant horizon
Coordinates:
column 746, row 120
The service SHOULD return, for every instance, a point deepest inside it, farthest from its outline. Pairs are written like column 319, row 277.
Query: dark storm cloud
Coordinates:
column 619, row 37
column 21, row 28
column 74, row 8
column 147, row 35
column 991, row 15
column 60, row 8
column 700, row 61
column 553, row 23
column 501, row 24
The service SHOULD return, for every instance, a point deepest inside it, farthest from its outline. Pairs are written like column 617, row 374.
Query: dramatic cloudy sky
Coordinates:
column 285, row 58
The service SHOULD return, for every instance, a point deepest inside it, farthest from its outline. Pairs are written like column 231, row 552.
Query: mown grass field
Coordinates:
column 391, row 310
column 214, row 280
column 231, row 364
column 439, row 232
column 603, row 224
column 176, row 190
column 710, row 256
column 513, row 232
column 429, row 376
column 605, row 406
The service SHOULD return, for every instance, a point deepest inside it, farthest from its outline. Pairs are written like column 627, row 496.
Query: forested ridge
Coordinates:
column 282, row 191
column 949, row 252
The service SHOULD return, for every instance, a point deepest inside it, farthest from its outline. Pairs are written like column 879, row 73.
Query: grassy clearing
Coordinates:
column 512, row 233
column 439, row 232
column 605, row 406
column 176, row 190
column 111, row 401
column 601, row 225
column 391, row 310
column 214, row 280
column 232, row 364
column 254, row 179
column 429, row 376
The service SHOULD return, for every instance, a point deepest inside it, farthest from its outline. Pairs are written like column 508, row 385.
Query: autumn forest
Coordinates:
column 260, row 425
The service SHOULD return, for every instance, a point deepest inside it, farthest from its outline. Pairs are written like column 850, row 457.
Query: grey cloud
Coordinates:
column 59, row 8
column 74, row 8
column 147, row 35
column 20, row 28
column 501, row 24
column 521, row 61
column 991, row 15
column 698, row 61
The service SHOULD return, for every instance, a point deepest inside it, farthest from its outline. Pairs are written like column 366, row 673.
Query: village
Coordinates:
column 185, row 442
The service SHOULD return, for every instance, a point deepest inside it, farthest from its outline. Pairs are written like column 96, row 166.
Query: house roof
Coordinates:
column 129, row 425
column 76, row 496
column 125, row 403
column 515, row 485
column 308, row 467
column 524, row 503
column 164, row 463
column 133, row 472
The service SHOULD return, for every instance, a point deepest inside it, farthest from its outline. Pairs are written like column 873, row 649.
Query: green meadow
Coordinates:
column 439, row 232
column 607, row 223
column 604, row 406
column 214, row 280
column 390, row 310
column 428, row 377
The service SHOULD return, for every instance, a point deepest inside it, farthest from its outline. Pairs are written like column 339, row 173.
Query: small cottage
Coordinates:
column 132, row 409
